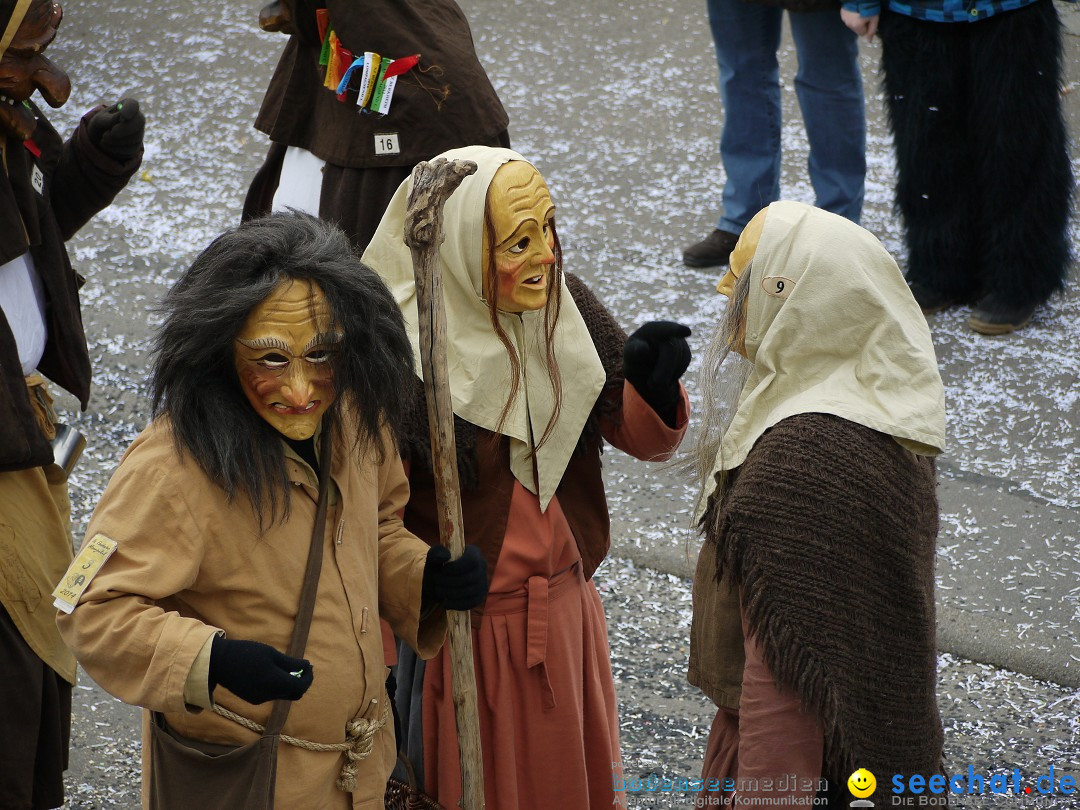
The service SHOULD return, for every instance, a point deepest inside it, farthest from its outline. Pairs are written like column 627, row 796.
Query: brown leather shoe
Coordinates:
column 712, row 251
column 993, row 317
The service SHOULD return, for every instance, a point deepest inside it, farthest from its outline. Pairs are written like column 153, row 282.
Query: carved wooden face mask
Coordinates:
column 24, row 68
column 284, row 358
column 741, row 257
column 521, row 215
column 743, row 253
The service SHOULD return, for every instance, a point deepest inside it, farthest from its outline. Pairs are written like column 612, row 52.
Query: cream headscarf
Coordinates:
column 831, row 327
column 478, row 365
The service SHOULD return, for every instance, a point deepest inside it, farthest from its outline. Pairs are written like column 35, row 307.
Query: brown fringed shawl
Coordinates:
column 829, row 530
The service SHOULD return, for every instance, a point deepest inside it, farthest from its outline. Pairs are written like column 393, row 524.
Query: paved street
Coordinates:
column 617, row 105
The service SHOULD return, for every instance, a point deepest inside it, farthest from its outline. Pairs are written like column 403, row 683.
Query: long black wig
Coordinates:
column 194, row 381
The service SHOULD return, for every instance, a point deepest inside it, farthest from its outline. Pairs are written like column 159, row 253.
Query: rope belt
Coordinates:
column 359, row 741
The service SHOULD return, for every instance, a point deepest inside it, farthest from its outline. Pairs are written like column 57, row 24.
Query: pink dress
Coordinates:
column 548, row 721
column 771, row 740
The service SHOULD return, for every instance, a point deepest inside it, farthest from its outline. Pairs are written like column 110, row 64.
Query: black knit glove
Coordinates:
column 118, row 130
column 256, row 672
column 460, row 584
column 654, row 358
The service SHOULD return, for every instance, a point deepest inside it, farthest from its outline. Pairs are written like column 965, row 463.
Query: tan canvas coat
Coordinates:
column 190, row 563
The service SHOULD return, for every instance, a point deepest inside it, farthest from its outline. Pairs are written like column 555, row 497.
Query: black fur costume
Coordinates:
column 985, row 181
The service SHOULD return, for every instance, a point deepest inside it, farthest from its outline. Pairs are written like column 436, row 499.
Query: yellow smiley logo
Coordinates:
column 861, row 783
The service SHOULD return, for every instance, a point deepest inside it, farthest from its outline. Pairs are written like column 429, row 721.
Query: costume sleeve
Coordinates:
column 401, row 566
column 197, row 685
column 135, row 648
column 640, row 432
column 625, row 419
column 86, row 179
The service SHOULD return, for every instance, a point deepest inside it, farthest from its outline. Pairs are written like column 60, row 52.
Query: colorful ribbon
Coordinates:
column 378, row 74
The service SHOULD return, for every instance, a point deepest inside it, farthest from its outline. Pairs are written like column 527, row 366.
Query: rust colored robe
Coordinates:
column 548, row 720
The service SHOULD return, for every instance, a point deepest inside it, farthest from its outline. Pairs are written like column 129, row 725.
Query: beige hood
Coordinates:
column 478, row 365
column 832, row 328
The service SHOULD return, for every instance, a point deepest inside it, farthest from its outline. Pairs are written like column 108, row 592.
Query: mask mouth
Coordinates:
column 290, row 410
column 537, row 282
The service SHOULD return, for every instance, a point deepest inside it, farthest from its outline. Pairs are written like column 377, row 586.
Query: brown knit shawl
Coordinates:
column 608, row 339
column 829, row 529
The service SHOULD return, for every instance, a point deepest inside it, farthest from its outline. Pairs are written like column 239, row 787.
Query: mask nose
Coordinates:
column 52, row 82
column 297, row 389
column 546, row 255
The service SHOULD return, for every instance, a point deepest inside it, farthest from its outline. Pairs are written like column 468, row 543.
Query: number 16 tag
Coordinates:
column 387, row 144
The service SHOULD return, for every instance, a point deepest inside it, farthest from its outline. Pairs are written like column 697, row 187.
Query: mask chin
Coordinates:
column 297, row 431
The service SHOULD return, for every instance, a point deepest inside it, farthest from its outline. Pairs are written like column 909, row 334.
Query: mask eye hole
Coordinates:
column 319, row 355
column 274, row 361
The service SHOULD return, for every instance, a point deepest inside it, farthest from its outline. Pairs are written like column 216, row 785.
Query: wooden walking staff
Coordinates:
column 433, row 183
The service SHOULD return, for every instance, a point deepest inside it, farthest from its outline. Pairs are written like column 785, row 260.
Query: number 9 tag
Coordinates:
column 777, row 286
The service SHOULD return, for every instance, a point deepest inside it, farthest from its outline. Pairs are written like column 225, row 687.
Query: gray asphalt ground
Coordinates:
column 617, row 105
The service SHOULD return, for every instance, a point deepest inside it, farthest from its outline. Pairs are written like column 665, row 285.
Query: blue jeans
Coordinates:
column 829, row 88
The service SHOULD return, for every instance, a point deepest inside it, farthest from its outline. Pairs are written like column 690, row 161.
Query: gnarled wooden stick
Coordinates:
column 433, row 183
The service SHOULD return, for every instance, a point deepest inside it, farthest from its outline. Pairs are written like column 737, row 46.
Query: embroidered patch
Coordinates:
column 82, row 569
column 777, row 286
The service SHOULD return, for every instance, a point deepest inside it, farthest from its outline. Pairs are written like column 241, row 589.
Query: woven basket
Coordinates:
column 406, row 795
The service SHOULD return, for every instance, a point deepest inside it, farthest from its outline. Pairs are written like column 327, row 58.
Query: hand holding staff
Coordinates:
column 433, row 183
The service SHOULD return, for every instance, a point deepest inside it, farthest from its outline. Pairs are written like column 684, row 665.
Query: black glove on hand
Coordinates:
column 256, row 672
column 654, row 358
column 459, row 585
column 118, row 130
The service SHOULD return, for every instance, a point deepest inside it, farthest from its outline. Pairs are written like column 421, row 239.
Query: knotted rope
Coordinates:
column 359, row 741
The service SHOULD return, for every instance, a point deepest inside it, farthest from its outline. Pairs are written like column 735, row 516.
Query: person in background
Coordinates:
column 829, row 88
column 341, row 156
column 985, row 181
column 49, row 189
column 813, row 614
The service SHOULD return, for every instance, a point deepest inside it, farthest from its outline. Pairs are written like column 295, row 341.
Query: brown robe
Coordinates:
column 445, row 102
column 484, row 460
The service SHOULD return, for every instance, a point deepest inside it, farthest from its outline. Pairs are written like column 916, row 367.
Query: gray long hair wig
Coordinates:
column 720, row 391
column 194, row 381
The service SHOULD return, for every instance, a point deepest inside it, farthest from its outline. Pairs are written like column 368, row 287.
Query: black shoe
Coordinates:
column 712, row 251
column 929, row 299
column 991, row 316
